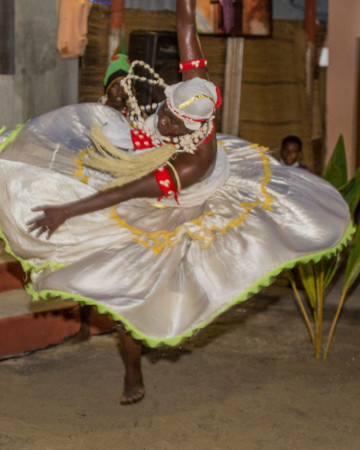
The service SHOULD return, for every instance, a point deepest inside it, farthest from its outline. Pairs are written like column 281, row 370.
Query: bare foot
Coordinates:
column 134, row 390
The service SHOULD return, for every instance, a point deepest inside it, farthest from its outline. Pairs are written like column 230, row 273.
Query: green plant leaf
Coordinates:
column 308, row 280
column 336, row 170
column 290, row 275
column 351, row 192
column 331, row 267
column 352, row 269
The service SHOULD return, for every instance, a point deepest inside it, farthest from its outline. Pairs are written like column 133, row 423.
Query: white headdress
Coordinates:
column 193, row 101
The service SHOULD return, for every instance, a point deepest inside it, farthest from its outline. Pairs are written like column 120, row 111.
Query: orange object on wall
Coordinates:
column 72, row 28
column 310, row 19
column 116, row 14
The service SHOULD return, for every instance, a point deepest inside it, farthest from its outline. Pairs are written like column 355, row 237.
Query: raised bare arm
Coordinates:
column 188, row 39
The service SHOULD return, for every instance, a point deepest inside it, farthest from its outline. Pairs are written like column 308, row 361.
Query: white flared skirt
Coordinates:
column 164, row 269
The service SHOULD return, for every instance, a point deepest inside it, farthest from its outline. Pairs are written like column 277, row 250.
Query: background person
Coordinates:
column 291, row 152
column 114, row 93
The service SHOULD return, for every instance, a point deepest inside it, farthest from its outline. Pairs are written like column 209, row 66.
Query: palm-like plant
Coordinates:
column 317, row 276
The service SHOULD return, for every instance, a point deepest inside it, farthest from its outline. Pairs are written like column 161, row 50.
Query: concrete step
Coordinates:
column 26, row 325
column 11, row 276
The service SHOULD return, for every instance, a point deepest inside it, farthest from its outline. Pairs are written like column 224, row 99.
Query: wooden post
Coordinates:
column 232, row 91
column 116, row 23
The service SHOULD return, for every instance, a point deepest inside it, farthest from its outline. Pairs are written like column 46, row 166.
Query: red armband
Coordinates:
column 140, row 140
column 165, row 183
column 194, row 64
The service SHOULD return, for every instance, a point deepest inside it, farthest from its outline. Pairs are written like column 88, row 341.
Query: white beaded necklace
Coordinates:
column 183, row 143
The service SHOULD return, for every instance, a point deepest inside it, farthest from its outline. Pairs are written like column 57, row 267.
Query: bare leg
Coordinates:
column 134, row 389
column 84, row 332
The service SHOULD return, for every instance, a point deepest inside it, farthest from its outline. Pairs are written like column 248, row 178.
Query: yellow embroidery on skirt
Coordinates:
column 196, row 229
column 79, row 172
column 266, row 162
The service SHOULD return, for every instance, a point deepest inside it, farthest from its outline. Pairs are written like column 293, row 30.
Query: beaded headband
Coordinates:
column 202, row 127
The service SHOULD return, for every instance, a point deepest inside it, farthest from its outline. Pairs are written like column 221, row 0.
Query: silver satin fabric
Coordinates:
column 164, row 268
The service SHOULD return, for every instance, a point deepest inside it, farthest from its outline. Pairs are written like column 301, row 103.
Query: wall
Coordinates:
column 342, row 77
column 154, row 5
column 42, row 80
column 274, row 103
column 295, row 9
column 282, row 9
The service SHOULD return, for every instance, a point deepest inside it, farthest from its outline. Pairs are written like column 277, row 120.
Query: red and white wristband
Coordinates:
column 194, row 64
column 165, row 182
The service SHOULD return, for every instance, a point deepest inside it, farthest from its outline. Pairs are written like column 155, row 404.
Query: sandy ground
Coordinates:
column 248, row 381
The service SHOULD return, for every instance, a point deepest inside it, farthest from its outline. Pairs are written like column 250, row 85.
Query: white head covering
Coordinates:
column 193, row 101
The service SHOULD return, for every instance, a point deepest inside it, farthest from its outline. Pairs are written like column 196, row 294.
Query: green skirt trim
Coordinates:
column 11, row 136
column 25, row 264
column 263, row 282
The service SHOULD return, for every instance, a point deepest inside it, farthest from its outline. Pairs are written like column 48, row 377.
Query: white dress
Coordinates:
column 164, row 269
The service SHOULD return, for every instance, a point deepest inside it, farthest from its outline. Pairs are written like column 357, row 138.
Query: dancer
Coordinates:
column 160, row 226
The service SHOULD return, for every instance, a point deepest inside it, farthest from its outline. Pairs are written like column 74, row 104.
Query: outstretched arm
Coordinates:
column 188, row 39
column 190, row 167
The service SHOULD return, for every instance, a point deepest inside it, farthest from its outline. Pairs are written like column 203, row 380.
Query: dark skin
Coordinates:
column 291, row 153
column 116, row 96
column 190, row 168
column 168, row 124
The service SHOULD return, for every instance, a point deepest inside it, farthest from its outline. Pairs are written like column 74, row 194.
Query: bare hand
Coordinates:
column 48, row 222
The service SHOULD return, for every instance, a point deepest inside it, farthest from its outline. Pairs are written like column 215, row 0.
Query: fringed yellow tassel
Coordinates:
column 122, row 165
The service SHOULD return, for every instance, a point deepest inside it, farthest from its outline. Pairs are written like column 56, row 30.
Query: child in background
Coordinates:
column 291, row 152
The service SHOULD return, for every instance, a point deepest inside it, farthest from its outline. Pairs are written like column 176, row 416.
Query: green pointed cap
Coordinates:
column 119, row 67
